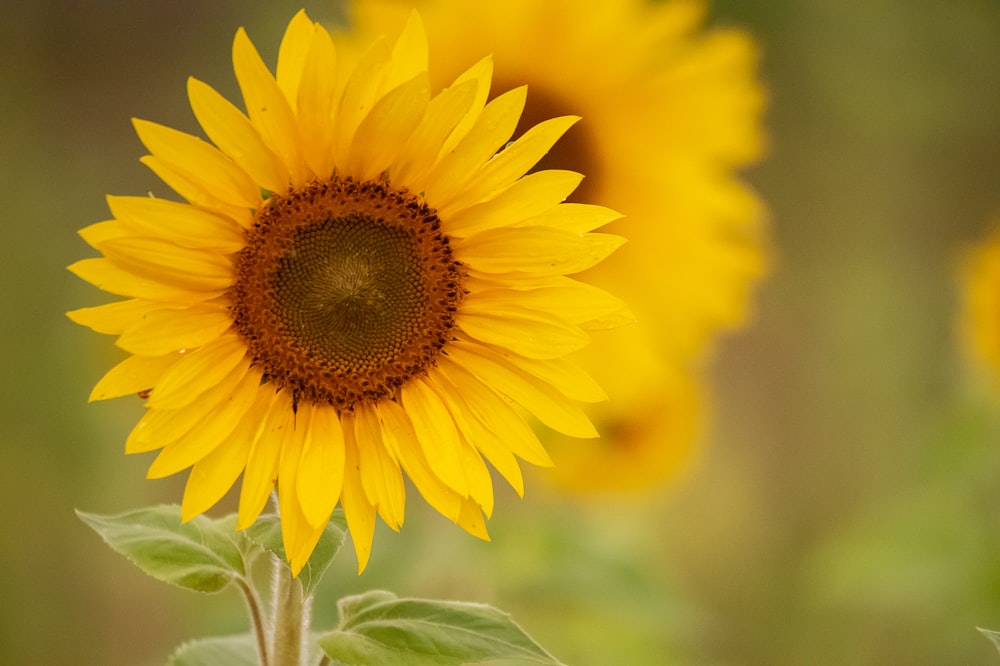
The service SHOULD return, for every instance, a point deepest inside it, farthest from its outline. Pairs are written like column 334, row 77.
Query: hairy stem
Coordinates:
column 259, row 630
column 291, row 618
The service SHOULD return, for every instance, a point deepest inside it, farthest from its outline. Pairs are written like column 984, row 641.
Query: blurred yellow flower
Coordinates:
column 358, row 286
column 980, row 322
column 670, row 112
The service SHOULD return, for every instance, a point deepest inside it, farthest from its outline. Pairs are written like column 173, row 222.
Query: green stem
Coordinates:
column 291, row 618
column 259, row 630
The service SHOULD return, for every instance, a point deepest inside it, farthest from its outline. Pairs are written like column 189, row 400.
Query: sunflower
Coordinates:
column 980, row 290
column 671, row 112
column 357, row 286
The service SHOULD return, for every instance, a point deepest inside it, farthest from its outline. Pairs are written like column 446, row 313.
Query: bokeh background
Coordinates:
column 845, row 507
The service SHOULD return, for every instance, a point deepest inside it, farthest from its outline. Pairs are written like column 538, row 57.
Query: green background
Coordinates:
column 846, row 508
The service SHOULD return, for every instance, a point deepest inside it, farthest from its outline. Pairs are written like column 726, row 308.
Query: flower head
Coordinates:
column 670, row 112
column 358, row 285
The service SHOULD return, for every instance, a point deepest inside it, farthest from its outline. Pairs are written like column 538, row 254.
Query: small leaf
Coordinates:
column 228, row 650
column 200, row 555
column 379, row 628
column 266, row 533
column 992, row 635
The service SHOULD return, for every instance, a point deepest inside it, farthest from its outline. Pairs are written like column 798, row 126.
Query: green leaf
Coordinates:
column 228, row 650
column 266, row 533
column 200, row 555
column 379, row 628
column 992, row 635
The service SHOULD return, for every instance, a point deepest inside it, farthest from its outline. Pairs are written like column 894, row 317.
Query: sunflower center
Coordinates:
column 345, row 291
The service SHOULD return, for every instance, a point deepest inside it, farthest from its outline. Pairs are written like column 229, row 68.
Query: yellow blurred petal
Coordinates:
column 531, row 333
column 179, row 223
column 212, row 476
column 134, row 374
column 200, row 162
column 384, row 130
column 113, row 318
column 169, row 329
column 267, row 107
column 202, row 438
column 512, row 162
column 435, row 430
column 114, row 279
column 493, row 127
column 321, row 469
column 531, row 196
column 380, row 474
column 536, row 251
column 196, row 372
column 262, row 465
column 236, row 136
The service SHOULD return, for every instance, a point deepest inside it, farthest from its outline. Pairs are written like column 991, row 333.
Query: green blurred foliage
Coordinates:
column 845, row 506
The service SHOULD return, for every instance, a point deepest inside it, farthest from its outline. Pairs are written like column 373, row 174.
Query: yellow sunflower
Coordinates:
column 670, row 112
column 358, row 286
column 980, row 287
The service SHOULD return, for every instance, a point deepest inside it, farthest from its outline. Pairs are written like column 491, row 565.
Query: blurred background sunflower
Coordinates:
column 844, row 507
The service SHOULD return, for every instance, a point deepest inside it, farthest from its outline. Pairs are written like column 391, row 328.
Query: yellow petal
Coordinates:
column 359, row 96
column 358, row 510
column 212, row 476
column 546, row 403
column 236, row 136
column 531, row 196
column 298, row 536
column 197, row 192
column 160, row 427
column 478, row 435
column 397, row 432
column 493, row 127
column 495, row 413
column 409, row 54
column 579, row 303
column 208, row 433
column 575, row 217
column 169, row 329
column 321, row 469
column 114, row 279
column 380, row 474
column 113, row 318
column 197, row 270
column 471, row 519
column 421, row 150
column 531, row 333
column 179, row 223
column 392, row 119
column 292, row 54
column 267, row 106
column 435, row 430
column 565, row 375
column 512, row 162
column 317, row 104
column 197, row 372
column 134, row 374
column 200, row 162
column 535, row 251
column 262, row 465
column 481, row 75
